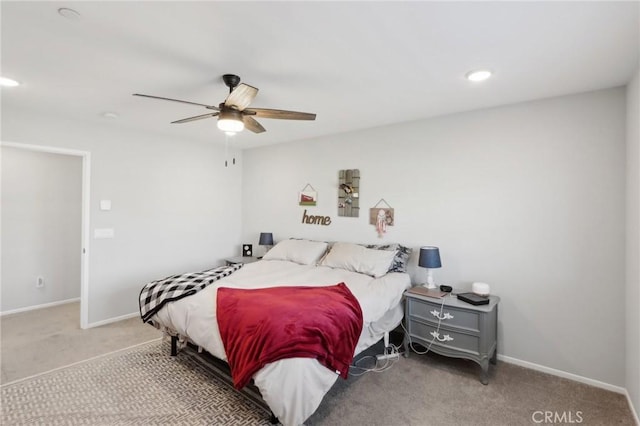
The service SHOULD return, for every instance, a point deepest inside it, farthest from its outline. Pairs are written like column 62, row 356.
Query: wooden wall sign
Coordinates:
column 349, row 193
column 315, row 220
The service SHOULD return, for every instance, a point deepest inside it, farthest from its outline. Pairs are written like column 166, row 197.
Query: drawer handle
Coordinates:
column 446, row 315
column 445, row 338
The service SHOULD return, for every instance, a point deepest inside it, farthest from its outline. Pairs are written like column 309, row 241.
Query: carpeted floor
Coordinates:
column 36, row 341
column 138, row 386
column 144, row 385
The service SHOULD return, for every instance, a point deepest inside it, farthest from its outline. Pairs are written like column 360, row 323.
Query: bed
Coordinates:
column 294, row 387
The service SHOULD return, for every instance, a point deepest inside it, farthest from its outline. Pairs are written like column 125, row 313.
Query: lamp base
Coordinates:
column 430, row 284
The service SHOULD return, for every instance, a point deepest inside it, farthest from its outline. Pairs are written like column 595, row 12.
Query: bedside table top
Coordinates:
column 453, row 301
column 241, row 259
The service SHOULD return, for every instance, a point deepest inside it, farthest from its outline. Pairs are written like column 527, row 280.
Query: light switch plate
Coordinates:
column 105, row 204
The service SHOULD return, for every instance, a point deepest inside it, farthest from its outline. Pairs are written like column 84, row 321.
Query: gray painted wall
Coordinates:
column 41, row 227
column 633, row 242
column 529, row 198
column 175, row 207
column 517, row 196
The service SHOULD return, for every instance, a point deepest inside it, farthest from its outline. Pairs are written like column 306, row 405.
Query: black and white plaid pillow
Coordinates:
column 401, row 259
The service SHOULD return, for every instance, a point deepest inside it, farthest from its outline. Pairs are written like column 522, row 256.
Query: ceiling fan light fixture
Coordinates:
column 230, row 121
column 233, row 115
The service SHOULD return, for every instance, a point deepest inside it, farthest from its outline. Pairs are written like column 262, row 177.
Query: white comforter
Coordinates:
column 294, row 387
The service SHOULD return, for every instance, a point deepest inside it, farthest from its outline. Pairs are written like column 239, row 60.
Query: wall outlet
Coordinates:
column 39, row 282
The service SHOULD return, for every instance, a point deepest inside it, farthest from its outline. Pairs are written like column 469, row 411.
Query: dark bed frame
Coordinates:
column 251, row 392
column 222, row 370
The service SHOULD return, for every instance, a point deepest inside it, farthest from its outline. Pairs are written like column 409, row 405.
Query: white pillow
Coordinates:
column 304, row 252
column 356, row 258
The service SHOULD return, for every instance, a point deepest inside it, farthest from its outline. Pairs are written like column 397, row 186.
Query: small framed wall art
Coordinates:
column 308, row 196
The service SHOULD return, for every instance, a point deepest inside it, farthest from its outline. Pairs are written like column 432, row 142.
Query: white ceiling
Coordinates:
column 356, row 64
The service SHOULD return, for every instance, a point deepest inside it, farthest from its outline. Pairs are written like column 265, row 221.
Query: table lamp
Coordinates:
column 266, row 239
column 430, row 259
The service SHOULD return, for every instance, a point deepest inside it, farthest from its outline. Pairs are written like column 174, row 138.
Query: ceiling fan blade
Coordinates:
column 197, row 117
column 241, row 97
column 251, row 124
column 280, row 114
column 177, row 100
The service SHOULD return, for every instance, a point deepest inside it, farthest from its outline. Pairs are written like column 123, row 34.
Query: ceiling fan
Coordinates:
column 233, row 114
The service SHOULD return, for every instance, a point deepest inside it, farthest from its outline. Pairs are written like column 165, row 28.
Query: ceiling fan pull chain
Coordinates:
column 226, row 149
column 227, row 138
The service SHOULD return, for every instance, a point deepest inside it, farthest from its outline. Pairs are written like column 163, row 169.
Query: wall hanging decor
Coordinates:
column 308, row 196
column 381, row 217
column 315, row 219
column 349, row 193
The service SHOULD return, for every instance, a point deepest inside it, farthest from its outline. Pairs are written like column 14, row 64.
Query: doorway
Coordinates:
column 83, row 254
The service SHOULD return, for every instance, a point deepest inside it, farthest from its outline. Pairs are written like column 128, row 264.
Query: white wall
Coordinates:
column 41, row 227
column 528, row 198
column 175, row 207
column 633, row 242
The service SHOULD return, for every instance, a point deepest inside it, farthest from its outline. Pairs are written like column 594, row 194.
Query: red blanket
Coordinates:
column 259, row 326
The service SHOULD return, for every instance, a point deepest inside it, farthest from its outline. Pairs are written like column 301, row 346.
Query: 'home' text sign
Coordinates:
column 315, row 220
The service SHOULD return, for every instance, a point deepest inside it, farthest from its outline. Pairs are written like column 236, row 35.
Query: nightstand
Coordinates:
column 455, row 329
column 240, row 259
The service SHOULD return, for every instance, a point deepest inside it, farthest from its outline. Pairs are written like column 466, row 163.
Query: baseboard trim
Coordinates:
column 564, row 374
column 111, row 320
column 633, row 409
column 33, row 308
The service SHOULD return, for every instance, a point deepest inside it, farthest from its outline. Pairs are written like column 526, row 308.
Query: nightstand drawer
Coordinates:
column 425, row 333
column 451, row 317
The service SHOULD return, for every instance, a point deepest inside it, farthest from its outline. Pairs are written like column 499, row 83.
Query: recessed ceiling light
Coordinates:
column 69, row 13
column 8, row 82
column 478, row 75
column 109, row 114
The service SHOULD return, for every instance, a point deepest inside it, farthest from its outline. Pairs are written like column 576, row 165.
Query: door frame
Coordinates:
column 86, row 190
